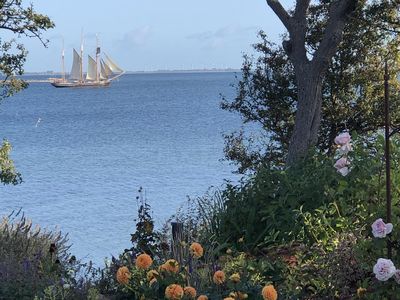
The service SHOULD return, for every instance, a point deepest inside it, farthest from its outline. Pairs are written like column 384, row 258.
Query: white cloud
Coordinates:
column 136, row 37
column 219, row 37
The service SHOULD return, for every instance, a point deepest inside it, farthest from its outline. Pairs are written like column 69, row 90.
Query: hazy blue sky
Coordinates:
column 155, row 34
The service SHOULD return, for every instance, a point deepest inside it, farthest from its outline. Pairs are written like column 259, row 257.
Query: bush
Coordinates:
column 309, row 202
column 311, row 224
column 33, row 262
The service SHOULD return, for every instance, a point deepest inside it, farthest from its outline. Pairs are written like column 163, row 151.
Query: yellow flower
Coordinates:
column 190, row 292
column 269, row 292
column 196, row 249
column 174, row 292
column 123, row 275
column 229, row 298
column 152, row 275
column 143, row 261
column 235, row 277
column 171, row 265
column 202, row 297
column 219, row 277
column 361, row 292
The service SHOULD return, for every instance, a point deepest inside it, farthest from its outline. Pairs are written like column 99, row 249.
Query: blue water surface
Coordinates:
column 84, row 161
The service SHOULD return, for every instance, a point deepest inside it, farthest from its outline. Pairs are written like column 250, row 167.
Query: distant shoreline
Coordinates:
column 50, row 73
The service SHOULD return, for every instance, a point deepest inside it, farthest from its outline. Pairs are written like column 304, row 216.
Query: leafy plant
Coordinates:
column 31, row 259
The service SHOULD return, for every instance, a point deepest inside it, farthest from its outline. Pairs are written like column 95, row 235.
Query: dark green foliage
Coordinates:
column 317, row 222
column 145, row 239
column 309, row 202
column 352, row 90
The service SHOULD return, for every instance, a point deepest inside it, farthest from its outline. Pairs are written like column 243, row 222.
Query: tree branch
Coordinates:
column 280, row 11
column 340, row 11
column 301, row 8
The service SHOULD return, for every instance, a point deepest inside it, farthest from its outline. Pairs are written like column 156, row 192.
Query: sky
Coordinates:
column 150, row 35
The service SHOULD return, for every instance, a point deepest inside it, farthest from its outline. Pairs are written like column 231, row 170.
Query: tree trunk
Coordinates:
column 308, row 115
column 310, row 72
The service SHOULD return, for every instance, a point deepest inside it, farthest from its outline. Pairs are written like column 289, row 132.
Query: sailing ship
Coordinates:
column 100, row 72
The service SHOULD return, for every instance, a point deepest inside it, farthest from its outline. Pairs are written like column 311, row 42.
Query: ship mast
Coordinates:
column 97, row 58
column 63, row 61
column 81, row 56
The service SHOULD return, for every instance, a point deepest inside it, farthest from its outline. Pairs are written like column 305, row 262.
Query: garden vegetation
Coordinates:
column 313, row 228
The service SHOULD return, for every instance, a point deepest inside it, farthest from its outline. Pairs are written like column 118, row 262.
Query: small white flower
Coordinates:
column 384, row 269
column 66, row 286
column 380, row 229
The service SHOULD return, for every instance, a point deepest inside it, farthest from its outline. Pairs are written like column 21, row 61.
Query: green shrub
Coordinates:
column 309, row 202
column 31, row 260
column 311, row 224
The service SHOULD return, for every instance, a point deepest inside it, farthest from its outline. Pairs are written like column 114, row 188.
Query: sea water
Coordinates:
column 84, row 152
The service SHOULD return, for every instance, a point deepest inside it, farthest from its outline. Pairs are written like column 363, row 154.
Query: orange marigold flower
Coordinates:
column 202, row 297
column 235, row 277
column 190, row 292
column 123, row 275
column 143, row 261
column 152, row 274
column 174, row 292
column 269, row 292
column 196, row 249
column 219, row 277
column 171, row 265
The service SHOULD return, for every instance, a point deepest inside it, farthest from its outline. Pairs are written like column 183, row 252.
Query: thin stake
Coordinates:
column 387, row 159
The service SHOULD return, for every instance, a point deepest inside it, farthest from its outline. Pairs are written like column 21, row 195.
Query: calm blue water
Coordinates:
column 84, row 162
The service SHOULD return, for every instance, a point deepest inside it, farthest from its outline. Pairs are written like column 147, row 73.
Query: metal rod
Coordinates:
column 387, row 159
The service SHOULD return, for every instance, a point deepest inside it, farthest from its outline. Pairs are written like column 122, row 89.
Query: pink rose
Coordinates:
column 380, row 229
column 346, row 148
column 384, row 269
column 341, row 163
column 343, row 138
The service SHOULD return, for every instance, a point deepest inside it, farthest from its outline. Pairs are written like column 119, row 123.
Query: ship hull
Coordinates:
column 67, row 84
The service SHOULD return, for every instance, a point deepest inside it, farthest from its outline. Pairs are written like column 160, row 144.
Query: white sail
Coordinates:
column 107, row 69
column 92, row 69
column 103, row 72
column 76, row 67
column 112, row 65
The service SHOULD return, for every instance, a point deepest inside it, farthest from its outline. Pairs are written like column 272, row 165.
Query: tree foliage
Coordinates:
column 8, row 174
column 21, row 21
column 352, row 91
